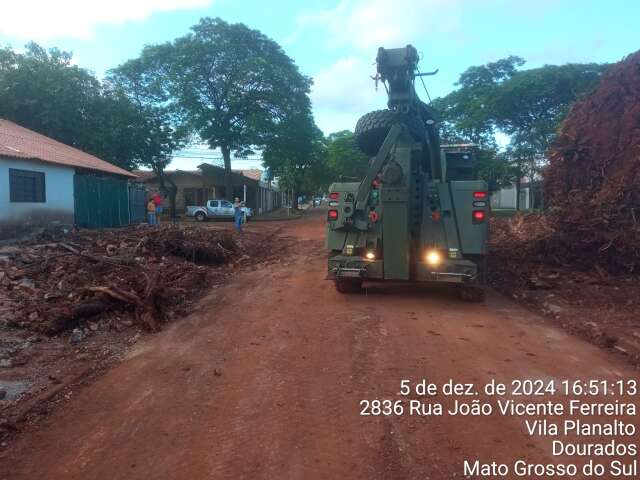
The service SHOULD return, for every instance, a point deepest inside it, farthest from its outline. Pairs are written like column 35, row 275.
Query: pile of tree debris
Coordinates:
column 55, row 283
column 579, row 261
column 592, row 184
column 529, row 261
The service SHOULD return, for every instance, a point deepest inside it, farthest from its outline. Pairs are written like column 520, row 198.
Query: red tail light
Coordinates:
column 478, row 216
column 480, row 195
column 334, row 195
column 332, row 215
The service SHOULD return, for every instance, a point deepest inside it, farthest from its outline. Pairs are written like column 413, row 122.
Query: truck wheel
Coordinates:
column 348, row 285
column 200, row 217
column 373, row 127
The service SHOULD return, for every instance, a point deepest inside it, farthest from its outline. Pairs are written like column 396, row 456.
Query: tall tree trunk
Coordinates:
column 170, row 190
column 294, row 199
column 518, row 183
column 228, row 178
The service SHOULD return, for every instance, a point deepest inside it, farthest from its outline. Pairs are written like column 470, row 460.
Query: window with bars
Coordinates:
column 26, row 186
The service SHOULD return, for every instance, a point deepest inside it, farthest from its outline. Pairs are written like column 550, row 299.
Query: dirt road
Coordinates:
column 265, row 380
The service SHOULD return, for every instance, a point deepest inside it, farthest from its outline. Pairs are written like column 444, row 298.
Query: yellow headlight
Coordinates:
column 370, row 256
column 433, row 257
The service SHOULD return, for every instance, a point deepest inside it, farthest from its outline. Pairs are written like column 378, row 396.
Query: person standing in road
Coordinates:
column 157, row 201
column 238, row 214
column 151, row 212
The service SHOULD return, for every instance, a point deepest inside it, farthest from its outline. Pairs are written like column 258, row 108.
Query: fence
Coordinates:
column 101, row 202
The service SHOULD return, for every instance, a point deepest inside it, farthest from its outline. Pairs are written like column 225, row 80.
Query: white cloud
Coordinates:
column 344, row 91
column 345, row 84
column 366, row 24
column 45, row 19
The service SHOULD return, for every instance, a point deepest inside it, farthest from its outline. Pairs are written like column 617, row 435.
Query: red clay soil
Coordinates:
column 71, row 305
column 264, row 380
column 592, row 184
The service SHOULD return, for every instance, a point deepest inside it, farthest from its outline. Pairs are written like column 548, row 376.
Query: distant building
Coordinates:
column 505, row 198
column 195, row 187
column 45, row 183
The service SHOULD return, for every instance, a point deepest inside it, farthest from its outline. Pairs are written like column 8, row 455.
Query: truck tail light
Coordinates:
column 332, row 215
column 334, row 195
column 478, row 216
column 480, row 195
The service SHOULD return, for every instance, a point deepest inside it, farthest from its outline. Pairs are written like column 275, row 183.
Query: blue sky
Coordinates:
column 335, row 42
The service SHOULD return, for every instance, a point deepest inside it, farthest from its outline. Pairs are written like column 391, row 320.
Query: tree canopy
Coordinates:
column 296, row 154
column 227, row 84
column 345, row 161
column 44, row 91
column 525, row 105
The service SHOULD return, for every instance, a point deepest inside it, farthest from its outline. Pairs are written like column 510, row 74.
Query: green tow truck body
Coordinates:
column 419, row 214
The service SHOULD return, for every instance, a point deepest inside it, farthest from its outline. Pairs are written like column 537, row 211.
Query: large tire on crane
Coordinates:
column 373, row 127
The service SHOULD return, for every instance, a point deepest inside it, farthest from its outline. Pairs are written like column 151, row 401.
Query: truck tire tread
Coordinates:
column 348, row 285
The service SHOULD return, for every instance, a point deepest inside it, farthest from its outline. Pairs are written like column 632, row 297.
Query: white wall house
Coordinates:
column 505, row 198
column 37, row 180
column 34, row 193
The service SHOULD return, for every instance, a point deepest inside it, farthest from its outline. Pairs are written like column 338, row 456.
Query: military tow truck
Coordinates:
column 419, row 215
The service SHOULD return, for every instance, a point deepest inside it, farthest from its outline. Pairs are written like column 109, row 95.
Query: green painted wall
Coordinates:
column 100, row 202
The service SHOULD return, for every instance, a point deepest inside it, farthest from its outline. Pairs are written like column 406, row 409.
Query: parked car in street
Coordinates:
column 215, row 209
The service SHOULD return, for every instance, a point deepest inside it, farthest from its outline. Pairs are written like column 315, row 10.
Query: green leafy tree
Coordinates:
column 296, row 153
column 43, row 91
column 467, row 112
column 228, row 84
column 153, row 134
column 531, row 104
column 526, row 105
column 345, row 161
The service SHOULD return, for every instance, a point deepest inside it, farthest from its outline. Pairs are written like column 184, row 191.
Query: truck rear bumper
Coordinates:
column 450, row 271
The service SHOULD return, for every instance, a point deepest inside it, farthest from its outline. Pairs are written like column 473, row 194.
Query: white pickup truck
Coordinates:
column 215, row 209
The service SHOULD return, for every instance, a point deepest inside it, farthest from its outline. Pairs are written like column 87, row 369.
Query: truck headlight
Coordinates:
column 433, row 257
column 370, row 255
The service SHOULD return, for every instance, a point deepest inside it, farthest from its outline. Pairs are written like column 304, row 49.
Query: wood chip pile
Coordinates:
column 592, row 184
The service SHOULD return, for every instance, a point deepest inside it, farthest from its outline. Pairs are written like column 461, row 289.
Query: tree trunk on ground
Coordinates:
column 518, row 182
column 294, row 200
column 228, row 179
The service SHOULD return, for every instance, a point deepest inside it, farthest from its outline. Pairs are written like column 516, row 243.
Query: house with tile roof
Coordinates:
column 195, row 187
column 47, row 183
